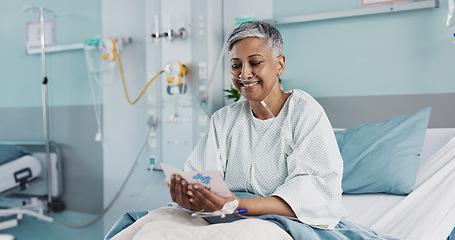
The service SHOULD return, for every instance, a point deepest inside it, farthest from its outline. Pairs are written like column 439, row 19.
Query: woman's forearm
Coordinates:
column 266, row 205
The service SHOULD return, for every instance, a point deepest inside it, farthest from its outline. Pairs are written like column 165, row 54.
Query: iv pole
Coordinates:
column 45, row 102
column 53, row 206
column 46, row 110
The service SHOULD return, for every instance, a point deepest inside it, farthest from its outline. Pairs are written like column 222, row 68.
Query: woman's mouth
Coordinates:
column 249, row 84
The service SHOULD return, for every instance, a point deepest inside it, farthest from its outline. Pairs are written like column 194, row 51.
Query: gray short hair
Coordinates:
column 258, row 29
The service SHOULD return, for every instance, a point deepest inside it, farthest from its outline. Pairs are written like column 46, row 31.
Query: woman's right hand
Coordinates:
column 179, row 193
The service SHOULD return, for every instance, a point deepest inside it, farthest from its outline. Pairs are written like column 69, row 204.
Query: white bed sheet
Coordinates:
column 429, row 211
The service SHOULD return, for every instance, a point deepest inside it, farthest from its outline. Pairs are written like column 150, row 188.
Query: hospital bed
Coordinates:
column 23, row 182
column 428, row 212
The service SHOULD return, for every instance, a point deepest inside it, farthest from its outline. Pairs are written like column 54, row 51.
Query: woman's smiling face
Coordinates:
column 253, row 69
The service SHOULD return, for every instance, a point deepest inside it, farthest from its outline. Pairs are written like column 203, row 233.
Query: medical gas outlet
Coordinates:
column 108, row 49
column 170, row 34
column 176, row 77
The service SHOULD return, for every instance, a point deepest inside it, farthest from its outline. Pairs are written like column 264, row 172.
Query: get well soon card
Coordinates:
column 210, row 179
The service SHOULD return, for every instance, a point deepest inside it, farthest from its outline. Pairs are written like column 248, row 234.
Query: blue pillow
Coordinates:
column 11, row 152
column 383, row 157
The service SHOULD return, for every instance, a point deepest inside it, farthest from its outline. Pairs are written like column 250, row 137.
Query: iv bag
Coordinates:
column 450, row 15
column 97, row 66
column 95, row 61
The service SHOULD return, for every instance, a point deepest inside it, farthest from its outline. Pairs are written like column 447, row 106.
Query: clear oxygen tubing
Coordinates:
column 117, row 195
column 255, row 75
column 124, row 84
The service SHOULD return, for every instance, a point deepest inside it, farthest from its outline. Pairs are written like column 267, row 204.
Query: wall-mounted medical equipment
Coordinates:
column 103, row 54
column 175, row 101
column 108, row 49
column 169, row 34
column 176, row 73
column 100, row 55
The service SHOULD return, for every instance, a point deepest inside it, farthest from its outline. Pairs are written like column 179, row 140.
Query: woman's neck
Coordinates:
column 275, row 102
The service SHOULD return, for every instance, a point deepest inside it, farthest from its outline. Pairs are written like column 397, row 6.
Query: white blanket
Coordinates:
column 175, row 223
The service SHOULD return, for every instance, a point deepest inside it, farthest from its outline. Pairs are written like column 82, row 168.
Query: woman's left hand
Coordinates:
column 206, row 199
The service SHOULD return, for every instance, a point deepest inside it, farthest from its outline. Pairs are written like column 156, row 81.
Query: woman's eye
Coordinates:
column 235, row 66
column 255, row 64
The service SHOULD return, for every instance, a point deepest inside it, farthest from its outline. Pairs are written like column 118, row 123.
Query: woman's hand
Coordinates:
column 178, row 189
column 207, row 200
column 195, row 196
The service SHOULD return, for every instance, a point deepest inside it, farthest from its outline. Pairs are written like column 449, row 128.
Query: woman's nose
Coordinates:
column 246, row 72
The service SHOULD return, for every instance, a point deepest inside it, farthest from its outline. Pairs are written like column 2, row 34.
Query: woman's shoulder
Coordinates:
column 302, row 99
column 233, row 109
column 303, row 108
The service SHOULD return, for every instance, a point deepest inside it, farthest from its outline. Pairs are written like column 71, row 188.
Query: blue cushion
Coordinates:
column 451, row 235
column 383, row 157
column 11, row 152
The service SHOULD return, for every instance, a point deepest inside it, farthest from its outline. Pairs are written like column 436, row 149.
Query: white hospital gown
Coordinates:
column 256, row 156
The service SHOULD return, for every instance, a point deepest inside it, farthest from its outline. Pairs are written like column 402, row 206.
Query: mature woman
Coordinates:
column 277, row 146
column 291, row 161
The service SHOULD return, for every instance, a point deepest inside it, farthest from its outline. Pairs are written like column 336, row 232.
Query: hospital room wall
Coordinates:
column 126, row 125
column 370, row 68
column 72, row 119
